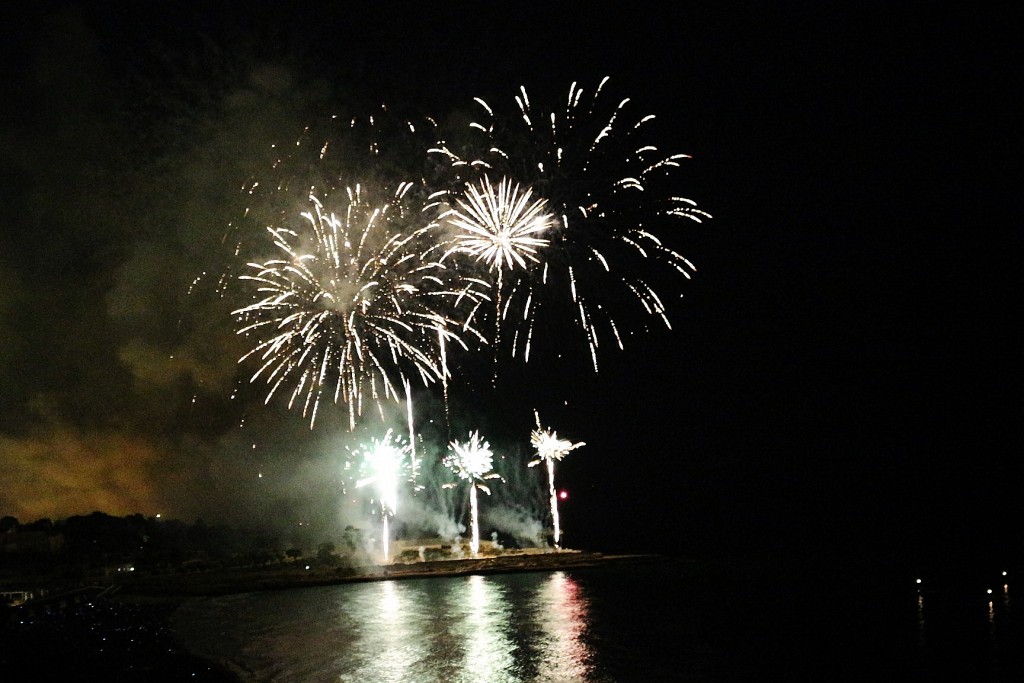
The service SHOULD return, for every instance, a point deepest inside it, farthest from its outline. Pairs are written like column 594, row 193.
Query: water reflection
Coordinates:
column 561, row 611
column 390, row 647
column 485, row 630
column 602, row 625
column 467, row 631
column 499, row 629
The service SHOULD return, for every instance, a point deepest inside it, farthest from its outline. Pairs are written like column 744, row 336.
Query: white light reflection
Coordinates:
column 563, row 653
column 390, row 640
column 528, row 628
column 488, row 647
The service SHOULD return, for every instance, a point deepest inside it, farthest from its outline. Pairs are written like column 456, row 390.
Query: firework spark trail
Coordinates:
column 412, row 432
column 549, row 449
column 385, row 463
column 606, row 188
column 472, row 461
column 354, row 307
column 501, row 227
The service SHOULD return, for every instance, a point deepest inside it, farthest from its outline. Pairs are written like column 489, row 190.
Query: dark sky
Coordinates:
column 841, row 374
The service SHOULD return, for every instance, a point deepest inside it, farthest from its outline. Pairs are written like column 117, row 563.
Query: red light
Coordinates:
column 563, row 494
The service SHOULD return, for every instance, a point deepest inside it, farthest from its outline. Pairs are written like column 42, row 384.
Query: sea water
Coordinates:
column 667, row 621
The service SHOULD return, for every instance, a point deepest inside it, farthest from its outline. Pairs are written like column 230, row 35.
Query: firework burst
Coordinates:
column 502, row 227
column 549, row 449
column 385, row 463
column 472, row 461
column 353, row 307
column 610, row 192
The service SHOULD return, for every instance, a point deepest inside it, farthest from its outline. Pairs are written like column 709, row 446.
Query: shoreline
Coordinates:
column 225, row 582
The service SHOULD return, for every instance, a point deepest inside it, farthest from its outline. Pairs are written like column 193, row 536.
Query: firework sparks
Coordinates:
column 472, row 461
column 367, row 292
column 500, row 226
column 354, row 308
column 549, row 449
column 385, row 463
column 608, row 189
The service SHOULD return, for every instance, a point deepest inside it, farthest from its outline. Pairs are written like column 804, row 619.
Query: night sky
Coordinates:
column 841, row 375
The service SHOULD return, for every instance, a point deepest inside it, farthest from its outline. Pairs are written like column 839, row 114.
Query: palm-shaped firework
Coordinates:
column 610, row 190
column 549, row 449
column 472, row 461
column 355, row 305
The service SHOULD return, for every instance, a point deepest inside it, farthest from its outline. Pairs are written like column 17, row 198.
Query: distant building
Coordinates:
column 13, row 598
column 421, row 549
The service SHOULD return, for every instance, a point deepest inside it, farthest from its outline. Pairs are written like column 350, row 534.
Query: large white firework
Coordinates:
column 549, row 449
column 472, row 461
column 354, row 306
column 611, row 192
